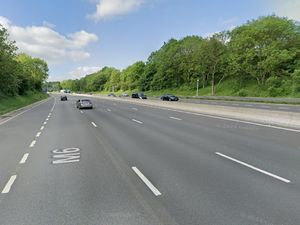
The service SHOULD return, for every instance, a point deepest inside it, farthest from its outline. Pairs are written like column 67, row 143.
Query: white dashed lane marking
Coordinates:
column 137, row 121
column 7, row 187
column 175, row 118
column 32, row 144
column 155, row 191
column 24, row 158
column 254, row 168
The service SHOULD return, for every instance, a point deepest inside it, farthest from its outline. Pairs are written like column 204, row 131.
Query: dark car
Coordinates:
column 111, row 95
column 169, row 97
column 139, row 95
column 84, row 104
column 63, row 98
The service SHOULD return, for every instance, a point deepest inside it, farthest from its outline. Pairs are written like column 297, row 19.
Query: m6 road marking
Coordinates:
column 67, row 155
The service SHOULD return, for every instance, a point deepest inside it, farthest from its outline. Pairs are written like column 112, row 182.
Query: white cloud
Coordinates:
column 82, row 71
column 286, row 8
column 111, row 8
column 44, row 42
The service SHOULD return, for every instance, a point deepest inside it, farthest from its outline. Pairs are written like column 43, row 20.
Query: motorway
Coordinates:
column 124, row 163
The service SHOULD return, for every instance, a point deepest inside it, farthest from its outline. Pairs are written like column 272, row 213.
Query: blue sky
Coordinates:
column 77, row 37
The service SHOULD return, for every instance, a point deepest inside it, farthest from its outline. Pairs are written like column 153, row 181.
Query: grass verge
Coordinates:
column 8, row 104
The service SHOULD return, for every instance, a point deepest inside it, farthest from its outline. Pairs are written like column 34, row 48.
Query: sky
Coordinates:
column 79, row 37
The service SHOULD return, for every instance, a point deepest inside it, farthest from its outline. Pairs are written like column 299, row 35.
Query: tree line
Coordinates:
column 19, row 73
column 264, row 52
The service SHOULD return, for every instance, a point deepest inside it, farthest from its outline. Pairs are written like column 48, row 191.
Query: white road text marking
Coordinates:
column 67, row 155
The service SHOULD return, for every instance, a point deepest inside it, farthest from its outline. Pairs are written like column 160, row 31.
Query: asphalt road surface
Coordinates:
column 123, row 163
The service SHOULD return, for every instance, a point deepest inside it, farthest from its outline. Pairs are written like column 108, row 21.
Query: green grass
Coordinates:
column 8, row 104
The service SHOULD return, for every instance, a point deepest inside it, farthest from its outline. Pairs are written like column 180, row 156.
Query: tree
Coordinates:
column 9, row 81
column 213, row 52
column 265, row 47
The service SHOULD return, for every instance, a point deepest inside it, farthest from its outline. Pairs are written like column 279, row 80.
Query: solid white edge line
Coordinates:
column 38, row 134
column 8, row 185
column 32, row 144
column 175, row 118
column 254, row 168
column 137, row 121
column 42, row 128
column 24, row 111
column 155, row 191
column 95, row 125
column 24, row 158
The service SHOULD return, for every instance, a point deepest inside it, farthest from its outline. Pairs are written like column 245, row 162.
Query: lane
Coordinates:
column 161, row 170
column 198, row 187
column 72, row 177
column 271, row 149
column 16, row 135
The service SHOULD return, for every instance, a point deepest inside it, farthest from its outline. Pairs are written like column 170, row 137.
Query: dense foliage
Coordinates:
column 19, row 73
column 263, row 52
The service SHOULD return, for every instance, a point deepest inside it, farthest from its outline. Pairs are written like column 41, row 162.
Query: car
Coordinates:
column 124, row 95
column 139, row 95
column 169, row 97
column 111, row 95
column 63, row 98
column 84, row 104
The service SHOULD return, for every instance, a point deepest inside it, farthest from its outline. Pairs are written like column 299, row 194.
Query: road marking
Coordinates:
column 265, row 106
column 81, row 111
column 249, row 105
column 109, row 110
column 254, row 168
column 32, row 144
column 137, row 121
column 146, row 181
column 42, row 128
column 67, row 155
column 7, row 187
column 135, row 109
column 283, row 108
column 38, row 134
column 24, row 158
column 47, row 119
column 95, row 125
column 175, row 118
column 45, row 123
column 23, row 112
